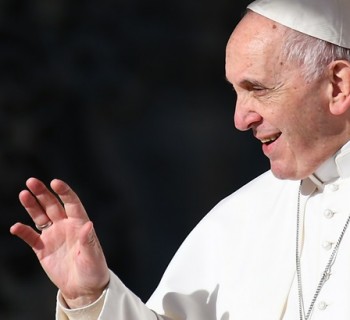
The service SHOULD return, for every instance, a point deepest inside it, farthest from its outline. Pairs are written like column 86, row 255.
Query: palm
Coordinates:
column 59, row 244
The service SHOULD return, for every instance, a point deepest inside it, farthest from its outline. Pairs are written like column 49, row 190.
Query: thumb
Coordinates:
column 87, row 237
column 91, row 252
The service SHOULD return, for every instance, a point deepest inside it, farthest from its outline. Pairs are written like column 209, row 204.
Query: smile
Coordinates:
column 270, row 139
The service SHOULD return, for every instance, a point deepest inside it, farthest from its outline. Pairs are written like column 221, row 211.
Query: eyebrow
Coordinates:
column 250, row 82
column 247, row 81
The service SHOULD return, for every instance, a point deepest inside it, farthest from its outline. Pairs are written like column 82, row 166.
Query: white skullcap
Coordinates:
column 328, row 20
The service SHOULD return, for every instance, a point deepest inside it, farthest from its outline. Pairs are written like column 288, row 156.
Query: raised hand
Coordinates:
column 67, row 246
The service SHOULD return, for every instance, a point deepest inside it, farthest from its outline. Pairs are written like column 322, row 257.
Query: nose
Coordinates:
column 245, row 117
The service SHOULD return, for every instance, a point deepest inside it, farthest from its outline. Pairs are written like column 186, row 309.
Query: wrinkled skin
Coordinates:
column 300, row 124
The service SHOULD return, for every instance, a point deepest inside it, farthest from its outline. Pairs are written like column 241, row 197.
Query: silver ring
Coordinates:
column 44, row 226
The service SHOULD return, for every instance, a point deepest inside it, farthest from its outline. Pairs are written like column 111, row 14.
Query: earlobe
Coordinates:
column 339, row 72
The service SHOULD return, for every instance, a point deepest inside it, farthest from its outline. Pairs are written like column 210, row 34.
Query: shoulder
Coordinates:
column 258, row 197
column 263, row 186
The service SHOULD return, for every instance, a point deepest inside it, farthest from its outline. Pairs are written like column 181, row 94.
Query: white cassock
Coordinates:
column 239, row 262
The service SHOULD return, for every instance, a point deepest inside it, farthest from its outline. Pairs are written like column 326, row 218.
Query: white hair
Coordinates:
column 311, row 54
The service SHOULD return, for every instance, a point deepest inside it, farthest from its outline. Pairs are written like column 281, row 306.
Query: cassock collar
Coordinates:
column 338, row 166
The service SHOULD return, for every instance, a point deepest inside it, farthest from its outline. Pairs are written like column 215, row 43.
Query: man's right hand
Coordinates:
column 68, row 250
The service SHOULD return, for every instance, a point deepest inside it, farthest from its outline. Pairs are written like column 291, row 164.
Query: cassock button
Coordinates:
column 327, row 245
column 322, row 305
column 328, row 213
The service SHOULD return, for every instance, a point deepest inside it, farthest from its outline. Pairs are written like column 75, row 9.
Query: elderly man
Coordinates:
column 279, row 247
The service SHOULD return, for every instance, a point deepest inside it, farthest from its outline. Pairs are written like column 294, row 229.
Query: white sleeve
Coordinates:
column 89, row 312
column 116, row 303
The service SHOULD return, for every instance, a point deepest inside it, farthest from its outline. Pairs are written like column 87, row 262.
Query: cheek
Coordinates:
column 299, row 130
column 303, row 136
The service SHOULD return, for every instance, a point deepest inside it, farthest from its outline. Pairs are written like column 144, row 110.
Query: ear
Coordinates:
column 339, row 72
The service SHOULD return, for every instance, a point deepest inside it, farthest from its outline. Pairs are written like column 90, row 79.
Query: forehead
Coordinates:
column 256, row 28
column 255, row 42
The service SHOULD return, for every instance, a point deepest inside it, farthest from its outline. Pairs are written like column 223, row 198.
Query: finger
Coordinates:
column 47, row 200
column 72, row 204
column 26, row 233
column 33, row 208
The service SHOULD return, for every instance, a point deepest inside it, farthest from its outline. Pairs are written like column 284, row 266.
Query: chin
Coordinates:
column 291, row 169
column 286, row 173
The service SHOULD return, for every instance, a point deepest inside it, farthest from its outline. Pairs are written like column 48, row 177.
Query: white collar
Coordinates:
column 338, row 166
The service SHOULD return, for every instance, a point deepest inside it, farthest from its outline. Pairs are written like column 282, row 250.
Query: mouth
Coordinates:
column 270, row 139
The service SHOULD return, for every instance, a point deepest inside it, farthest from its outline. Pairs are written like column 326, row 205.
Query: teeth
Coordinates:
column 270, row 139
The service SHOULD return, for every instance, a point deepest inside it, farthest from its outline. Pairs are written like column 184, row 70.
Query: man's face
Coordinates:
column 289, row 115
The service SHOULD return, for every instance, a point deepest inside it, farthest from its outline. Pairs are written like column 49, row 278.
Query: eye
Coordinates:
column 253, row 86
column 258, row 90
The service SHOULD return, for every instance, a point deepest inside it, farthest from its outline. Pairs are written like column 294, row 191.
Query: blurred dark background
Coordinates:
column 127, row 101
